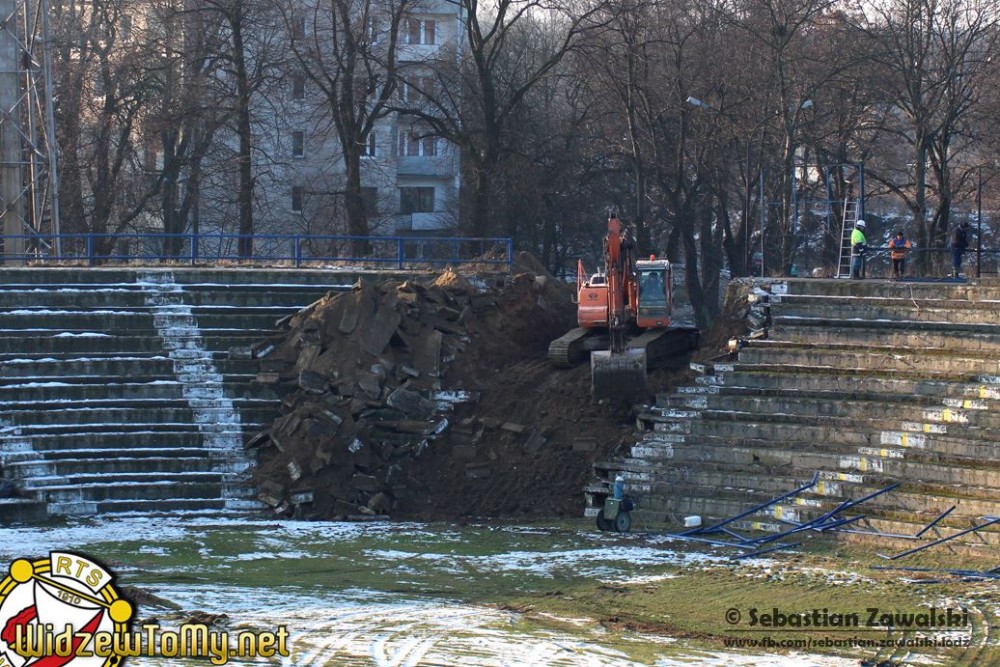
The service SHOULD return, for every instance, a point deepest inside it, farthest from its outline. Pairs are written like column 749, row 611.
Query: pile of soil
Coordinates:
column 436, row 400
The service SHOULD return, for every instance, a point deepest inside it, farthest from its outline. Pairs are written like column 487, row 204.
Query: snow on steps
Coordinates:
column 179, row 443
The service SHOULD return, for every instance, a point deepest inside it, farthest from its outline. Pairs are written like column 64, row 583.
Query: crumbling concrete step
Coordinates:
column 17, row 278
column 873, row 313
column 791, row 378
column 29, row 430
column 730, row 373
column 211, row 504
column 913, row 466
column 18, row 395
column 887, row 412
column 915, row 445
column 712, row 420
column 73, row 468
column 863, row 390
column 107, row 446
column 896, row 301
column 982, row 289
column 152, row 404
column 93, row 344
column 116, row 367
column 277, row 297
column 884, row 361
column 957, row 338
column 15, row 511
column 151, row 489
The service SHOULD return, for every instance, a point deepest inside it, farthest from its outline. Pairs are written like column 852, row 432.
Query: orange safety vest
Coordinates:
column 897, row 248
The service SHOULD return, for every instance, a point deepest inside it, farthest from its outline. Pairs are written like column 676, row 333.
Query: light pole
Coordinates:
column 699, row 104
column 979, row 225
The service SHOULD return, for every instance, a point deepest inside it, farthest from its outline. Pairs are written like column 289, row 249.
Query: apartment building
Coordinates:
column 410, row 179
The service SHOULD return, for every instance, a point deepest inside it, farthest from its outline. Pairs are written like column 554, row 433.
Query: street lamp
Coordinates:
column 979, row 225
column 699, row 104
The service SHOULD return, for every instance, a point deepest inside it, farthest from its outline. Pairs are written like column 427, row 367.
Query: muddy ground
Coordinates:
column 365, row 433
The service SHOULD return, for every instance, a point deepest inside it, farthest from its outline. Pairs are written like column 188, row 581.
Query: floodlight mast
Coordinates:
column 29, row 209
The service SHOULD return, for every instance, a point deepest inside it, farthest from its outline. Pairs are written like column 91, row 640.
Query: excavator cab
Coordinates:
column 654, row 301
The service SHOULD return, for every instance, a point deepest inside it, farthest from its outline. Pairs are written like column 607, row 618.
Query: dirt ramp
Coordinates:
column 413, row 399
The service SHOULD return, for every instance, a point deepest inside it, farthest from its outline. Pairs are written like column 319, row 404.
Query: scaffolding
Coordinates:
column 29, row 204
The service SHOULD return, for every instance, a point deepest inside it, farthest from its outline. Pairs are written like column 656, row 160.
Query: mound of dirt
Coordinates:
column 431, row 401
column 437, row 401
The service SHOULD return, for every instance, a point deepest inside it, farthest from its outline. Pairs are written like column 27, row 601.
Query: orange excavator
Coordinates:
column 624, row 320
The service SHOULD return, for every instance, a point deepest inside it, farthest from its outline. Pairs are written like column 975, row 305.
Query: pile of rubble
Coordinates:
column 388, row 375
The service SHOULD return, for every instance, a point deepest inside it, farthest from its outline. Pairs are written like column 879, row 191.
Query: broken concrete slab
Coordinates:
column 411, row 403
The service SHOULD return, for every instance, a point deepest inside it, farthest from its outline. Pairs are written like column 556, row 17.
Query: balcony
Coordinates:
column 436, row 166
column 423, row 222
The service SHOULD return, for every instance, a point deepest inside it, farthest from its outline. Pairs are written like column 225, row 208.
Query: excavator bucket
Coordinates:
column 618, row 376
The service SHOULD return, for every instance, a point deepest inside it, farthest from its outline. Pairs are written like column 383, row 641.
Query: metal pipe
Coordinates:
column 718, row 527
column 943, row 539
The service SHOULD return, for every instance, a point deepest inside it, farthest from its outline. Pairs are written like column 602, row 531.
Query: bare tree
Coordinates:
column 935, row 55
column 103, row 84
column 507, row 49
column 349, row 50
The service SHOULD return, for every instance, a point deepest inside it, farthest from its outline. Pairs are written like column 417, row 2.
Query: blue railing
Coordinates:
column 398, row 252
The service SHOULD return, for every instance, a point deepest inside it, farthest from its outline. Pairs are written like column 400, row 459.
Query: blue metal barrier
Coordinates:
column 399, row 252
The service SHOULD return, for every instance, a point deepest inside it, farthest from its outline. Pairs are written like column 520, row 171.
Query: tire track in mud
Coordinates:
column 425, row 635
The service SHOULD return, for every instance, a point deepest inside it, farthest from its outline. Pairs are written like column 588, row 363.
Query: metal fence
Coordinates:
column 397, row 252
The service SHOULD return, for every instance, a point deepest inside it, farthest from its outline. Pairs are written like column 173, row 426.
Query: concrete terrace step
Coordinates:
column 972, row 301
column 91, row 344
column 118, row 392
column 947, row 290
column 733, row 372
column 211, row 505
column 851, row 357
column 907, row 336
column 964, row 369
column 914, row 465
column 152, row 404
column 868, row 382
column 875, row 313
column 864, row 408
column 123, row 367
column 211, row 297
column 931, row 395
column 165, row 487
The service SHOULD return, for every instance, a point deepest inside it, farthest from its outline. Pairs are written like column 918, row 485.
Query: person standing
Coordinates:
column 859, row 245
column 959, row 243
column 897, row 253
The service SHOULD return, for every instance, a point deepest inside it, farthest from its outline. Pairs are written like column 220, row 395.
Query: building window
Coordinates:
column 416, row 200
column 369, row 199
column 297, row 24
column 419, row 31
column 297, row 196
column 368, row 149
column 125, row 27
column 374, row 27
column 298, row 143
column 416, row 90
column 298, row 86
column 413, row 144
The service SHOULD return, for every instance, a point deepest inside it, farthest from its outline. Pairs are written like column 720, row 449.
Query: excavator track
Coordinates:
column 666, row 348
column 571, row 348
column 623, row 375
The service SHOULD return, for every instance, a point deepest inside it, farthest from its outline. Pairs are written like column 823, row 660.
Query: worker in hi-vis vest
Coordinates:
column 897, row 253
column 859, row 244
